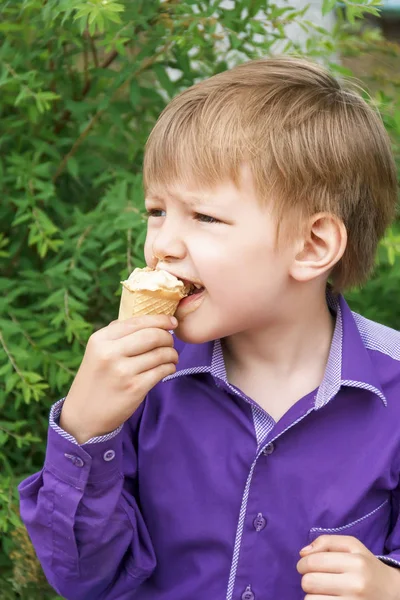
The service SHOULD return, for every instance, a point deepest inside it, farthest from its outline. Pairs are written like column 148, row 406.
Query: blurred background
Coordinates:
column 81, row 85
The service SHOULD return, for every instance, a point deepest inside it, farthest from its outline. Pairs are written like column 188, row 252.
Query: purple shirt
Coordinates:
column 202, row 495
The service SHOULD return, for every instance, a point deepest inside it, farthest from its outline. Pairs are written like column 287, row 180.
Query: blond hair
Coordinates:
column 312, row 145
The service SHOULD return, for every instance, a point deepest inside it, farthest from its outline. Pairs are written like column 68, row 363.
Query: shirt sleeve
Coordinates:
column 81, row 514
column 392, row 547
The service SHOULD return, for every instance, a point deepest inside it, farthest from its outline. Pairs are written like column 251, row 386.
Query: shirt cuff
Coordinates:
column 54, row 419
column 393, row 560
column 78, row 465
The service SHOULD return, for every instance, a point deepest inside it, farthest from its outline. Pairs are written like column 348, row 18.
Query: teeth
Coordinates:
column 197, row 286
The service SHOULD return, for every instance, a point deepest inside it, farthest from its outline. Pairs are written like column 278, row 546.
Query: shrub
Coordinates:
column 81, row 84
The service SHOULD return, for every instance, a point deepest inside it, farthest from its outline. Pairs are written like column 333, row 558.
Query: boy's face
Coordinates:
column 224, row 240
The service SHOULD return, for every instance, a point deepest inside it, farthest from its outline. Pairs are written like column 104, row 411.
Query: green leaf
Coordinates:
column 134, row 92
column 328, row 6
column 5, row 369
column 164, row 79
column 73, row 167
column 114, row 7
column 110, row 262
column 3, row 438
column 114, row 18
column 11, row 381
column 81, row 275
column 31, row 377
column 83, row 11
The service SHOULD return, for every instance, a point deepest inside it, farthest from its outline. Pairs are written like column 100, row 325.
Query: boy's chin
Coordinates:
column 192, row 335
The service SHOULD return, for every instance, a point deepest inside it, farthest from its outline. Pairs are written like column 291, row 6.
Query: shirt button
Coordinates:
column 259, row 522
column 248, row 594
column 109, row 455
column 76, row 460
column 269, row 448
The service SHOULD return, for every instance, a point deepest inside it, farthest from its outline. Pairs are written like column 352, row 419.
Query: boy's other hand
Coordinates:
column 122, row 362
column 340, row 566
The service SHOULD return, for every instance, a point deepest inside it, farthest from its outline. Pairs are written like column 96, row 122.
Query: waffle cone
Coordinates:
column 146, row 302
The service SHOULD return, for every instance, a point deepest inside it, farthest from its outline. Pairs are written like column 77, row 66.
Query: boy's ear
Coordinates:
column 320, row 248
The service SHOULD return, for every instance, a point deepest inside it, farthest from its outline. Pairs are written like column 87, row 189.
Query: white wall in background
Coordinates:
column 314, row 14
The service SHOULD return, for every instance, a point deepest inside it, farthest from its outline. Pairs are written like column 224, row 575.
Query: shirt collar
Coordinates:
column 349, row 363
column 200, row 358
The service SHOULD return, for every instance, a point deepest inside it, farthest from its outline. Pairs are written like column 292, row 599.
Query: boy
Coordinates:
column 203, row 466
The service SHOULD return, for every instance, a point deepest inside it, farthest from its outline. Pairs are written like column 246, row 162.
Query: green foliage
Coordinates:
column 81, row 85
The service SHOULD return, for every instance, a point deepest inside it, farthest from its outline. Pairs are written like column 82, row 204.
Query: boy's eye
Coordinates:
column 155, row 212
column 158, row 212
column 206, row 218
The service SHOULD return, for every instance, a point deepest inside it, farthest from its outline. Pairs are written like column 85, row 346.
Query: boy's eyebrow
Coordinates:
column 188, row 198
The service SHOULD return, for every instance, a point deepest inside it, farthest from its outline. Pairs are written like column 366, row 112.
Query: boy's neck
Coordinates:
column 288, row 357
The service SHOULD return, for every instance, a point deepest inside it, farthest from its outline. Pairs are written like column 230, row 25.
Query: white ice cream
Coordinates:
column 154, row 280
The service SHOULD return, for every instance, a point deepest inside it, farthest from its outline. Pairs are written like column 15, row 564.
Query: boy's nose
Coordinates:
column 169, row 244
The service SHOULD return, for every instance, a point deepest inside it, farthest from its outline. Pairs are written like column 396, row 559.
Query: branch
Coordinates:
column 85, row 64
column 14, row 261
column 109, row 59
column 12, row 434
column 19, row 78
column 12, row 361
column 129, row 251
column 94, row 51
column 66, row 307
column 69, row 69
column 79, row 244
column 106, row 63
column 52, row 86
column 65, row 117
column 146, row 63
column 111, row 56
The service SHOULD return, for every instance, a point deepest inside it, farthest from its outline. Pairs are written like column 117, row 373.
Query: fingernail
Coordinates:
column 307, row 548
column 174, row 321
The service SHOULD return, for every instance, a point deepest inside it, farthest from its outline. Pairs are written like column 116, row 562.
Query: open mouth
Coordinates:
column 191, row 287
column 195, row 288
column 192, row 300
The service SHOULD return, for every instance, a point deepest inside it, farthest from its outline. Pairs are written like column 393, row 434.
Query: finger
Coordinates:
column 147, row 380
column 326, row 584
column 318, row 597
column 143, row 341
column 117, row 329
column 334, row 543
column 151, row 360
column 327, row 562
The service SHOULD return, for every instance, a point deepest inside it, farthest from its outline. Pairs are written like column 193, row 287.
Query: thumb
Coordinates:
column 335, row 543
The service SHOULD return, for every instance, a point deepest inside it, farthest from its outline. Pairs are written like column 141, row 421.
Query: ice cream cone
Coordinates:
column 150, row 292
column 136, row 303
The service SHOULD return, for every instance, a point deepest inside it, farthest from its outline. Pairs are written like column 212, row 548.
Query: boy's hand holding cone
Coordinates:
column 126, row 359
